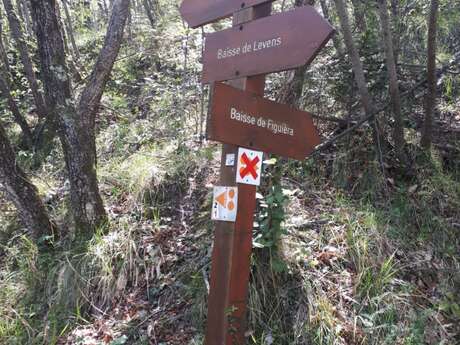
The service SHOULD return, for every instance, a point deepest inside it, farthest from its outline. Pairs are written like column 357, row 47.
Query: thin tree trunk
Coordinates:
column 358, row 72
column 92, row 93
column 292, row 92
column 354, row 56
column 360, row 15
column 106, row 10
column 396, row 22
column 3, row 56
column 6, row 93
column 18, row 118
column 149, row 12
column 70, row 33
column 25, row 16
column 73, row 68
column 18, row 37
column 430, row 98
column 77, row 122
column 335, row 40
column 130, row 25
column 398, row 127
column 22, row 193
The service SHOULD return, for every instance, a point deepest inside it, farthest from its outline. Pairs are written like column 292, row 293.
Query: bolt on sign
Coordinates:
column 200, row 12
column 276, row 43
column 224, row 204
column 245, row 119
column 249, row 166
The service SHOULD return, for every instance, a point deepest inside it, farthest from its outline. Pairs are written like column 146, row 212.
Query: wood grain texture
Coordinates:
column 246, row 119
column 280, row 42
column 226, row 322
column 200, row 12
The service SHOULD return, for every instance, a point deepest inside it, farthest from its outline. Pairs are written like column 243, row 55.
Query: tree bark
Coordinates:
column 430, row 98
column 149, row 12
column 396, row 22
column 398, row 127
column 354, row 56
column 70, row 33
column 18, row 118
column 18, row 37
column 358, row 72
column 292, row 91
column 77, row 123
column 92, row 93
column 25, row 16
column 73, row 68
column 3, row 56
column 6, row 93
column 360, row 15
column 337, row 44
column 22, row 193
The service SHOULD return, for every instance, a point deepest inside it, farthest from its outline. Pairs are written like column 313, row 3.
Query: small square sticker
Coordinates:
column 224, row 203
column 230, row 159
column 249, row 166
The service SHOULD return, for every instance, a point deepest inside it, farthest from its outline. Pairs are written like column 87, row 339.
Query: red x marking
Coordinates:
column 251, row 166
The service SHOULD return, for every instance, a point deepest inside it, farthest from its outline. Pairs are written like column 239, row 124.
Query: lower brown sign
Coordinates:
column 245, row 119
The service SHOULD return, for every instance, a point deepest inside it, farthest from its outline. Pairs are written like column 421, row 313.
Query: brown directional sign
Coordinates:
column 242, row 118
column 271, row 44
column 200, row 12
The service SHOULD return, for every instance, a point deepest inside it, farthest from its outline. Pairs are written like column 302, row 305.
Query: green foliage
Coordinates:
column 271, row 218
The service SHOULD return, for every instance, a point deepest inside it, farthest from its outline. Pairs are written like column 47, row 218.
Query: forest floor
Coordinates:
column 365, row 264
column 363, row 258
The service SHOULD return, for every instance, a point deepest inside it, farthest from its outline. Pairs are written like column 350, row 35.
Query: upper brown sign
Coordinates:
column 200, row 12
column 242, row 118
column 271, row 44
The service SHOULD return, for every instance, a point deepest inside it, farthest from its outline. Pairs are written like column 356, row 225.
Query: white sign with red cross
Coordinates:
column 224, row 204
column 249, row 166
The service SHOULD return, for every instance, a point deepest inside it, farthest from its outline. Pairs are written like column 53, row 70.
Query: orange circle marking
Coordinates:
column 231, row 193
column 231, row 205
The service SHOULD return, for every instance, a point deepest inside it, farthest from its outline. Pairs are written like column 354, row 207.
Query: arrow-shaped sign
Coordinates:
column 245, row 119
column 280, row 42
column 200, row 12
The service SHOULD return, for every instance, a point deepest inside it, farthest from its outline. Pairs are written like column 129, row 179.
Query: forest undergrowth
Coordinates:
column 363, row 258
column 347, row 250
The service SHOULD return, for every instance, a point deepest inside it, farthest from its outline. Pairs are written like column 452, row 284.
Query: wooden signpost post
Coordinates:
column 239, row 116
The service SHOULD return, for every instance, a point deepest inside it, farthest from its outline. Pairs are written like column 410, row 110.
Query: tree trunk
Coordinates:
column 25, row 16
column 22, row 193
column 106, row 10
column 18, row 118
column 6, row 93
column 77, row 123
column 354, row 56
column 18, row 37
column 73, row 68
column 335, row 40
column 292, row 91
column 3, row 56
column 430, row 99
column 92, row 93
column 398, row 127
column 70, row 33
column 360, row 15
column 149, row 12
column 396, row 22
column 358, row 72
